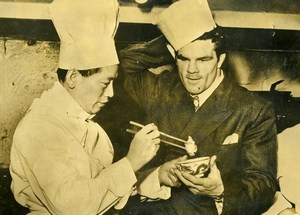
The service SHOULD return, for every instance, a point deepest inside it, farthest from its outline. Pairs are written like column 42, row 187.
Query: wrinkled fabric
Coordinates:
column 61, row 161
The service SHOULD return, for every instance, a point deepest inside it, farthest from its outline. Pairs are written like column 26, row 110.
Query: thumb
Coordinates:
column 183, row 158
column 213, row 166
column 212, row 162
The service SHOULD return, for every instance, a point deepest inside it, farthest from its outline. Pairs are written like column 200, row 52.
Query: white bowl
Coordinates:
column 196, row 166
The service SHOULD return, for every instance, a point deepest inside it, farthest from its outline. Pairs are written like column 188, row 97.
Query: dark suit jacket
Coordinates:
column 248, row 167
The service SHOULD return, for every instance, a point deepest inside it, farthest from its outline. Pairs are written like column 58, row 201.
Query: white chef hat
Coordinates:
column 86, row 30
column 185, row 21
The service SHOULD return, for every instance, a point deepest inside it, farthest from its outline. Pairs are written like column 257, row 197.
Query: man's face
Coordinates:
column 198, row 65
column 93, row 92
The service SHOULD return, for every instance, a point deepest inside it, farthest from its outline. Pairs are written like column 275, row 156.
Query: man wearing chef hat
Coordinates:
column 228, row 123
column 61, row 161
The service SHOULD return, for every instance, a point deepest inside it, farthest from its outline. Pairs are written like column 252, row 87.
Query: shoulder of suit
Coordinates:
column 245, row 96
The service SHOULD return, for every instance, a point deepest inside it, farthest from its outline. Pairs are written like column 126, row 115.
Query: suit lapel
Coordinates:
column 210, row 115
column 180, row 109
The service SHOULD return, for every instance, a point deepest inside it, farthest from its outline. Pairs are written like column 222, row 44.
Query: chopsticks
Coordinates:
column 161, row 133
column 163, row 141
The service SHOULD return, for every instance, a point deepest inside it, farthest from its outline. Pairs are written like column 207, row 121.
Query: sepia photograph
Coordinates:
column 149, row 107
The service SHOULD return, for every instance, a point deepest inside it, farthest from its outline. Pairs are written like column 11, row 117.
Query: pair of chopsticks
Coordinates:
column 161, row 133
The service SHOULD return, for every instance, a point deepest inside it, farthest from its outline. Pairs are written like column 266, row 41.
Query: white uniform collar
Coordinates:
column 72, row 108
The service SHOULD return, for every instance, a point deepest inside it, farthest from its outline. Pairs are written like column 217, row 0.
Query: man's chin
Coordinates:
column 97, row 107
column 194, row 91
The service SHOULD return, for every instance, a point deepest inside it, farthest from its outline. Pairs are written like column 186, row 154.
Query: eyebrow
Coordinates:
column 181, row 57
column 110, row 78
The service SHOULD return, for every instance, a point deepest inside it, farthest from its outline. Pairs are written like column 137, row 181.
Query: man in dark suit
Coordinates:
column 195, row 98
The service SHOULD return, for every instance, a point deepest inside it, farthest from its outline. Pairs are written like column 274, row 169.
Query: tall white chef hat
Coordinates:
column 185, row 21
column 86, row 30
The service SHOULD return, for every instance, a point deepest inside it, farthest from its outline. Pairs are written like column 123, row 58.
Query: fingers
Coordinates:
column 151, row 132
column 214, row 171
column 154, row 134
column 183, row 158
column 196, row 187
column 156, row 148
column 156, row 141
column 183, row 179
column 194, row 190
column 213, row 161
column 204, row 182
column 212, row 185
column 149, row 128
column 174, row 181
column 194, row 181
column 172, row 177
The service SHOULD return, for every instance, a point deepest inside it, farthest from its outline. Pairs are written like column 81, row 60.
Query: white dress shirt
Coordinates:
column 207, row 93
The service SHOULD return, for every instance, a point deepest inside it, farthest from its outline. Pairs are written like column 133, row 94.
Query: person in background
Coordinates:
column 61, row 161
column 228, row 123
column 287, row 200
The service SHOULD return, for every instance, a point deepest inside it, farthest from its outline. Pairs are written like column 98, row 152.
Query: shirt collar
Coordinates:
column 206, row 94
column 71, row 107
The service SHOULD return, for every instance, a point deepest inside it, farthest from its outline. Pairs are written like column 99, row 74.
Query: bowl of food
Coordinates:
column 197, row 166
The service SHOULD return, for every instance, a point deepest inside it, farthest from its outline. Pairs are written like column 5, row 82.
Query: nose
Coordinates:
column 109, row 91
column 192, row 67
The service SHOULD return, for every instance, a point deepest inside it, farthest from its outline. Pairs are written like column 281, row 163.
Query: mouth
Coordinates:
column 194, row 79
column 190, row 77
column 102, row 103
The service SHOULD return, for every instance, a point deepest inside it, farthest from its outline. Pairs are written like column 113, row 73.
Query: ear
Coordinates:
column 221, row 60
column 72, row 78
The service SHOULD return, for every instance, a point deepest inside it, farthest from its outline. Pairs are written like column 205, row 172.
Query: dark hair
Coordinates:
column 61, row 73
column 218, row 37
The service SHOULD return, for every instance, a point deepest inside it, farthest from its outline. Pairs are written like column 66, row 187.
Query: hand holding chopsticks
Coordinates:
column 140, row 154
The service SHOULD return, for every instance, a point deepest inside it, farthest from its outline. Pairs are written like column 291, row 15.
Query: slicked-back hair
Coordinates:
column 218, row 37
column 61, row 73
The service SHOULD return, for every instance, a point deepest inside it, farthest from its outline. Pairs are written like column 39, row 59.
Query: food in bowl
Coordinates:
column 191, row 147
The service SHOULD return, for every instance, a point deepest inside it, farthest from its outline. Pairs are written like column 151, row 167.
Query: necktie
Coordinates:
column 196, row 102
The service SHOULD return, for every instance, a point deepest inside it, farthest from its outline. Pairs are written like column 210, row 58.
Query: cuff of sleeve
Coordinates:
column 151, row 188
column 219, row 206
column 219, row 203
column 121, row 177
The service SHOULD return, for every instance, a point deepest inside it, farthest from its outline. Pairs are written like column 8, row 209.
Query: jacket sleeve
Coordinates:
column 253, row 190
column 136, row 61
column 140, row 57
